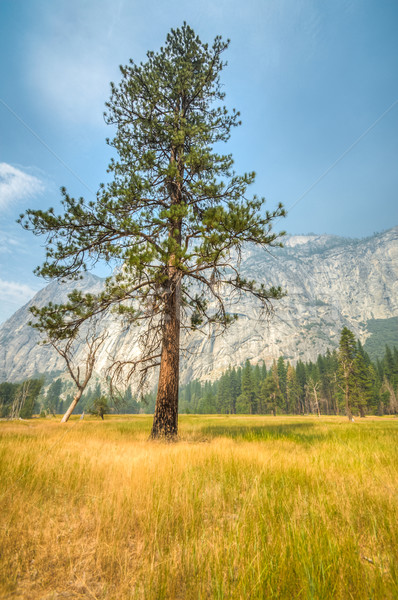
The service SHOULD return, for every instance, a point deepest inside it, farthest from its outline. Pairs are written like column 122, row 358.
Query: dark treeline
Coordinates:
column 20, row 400
column 56, row 401
column 341, row 382
column 33, row 397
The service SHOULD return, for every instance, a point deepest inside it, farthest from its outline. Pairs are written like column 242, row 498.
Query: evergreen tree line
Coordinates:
column 95, row 401
column 344, row 381
column 33, row 397
column 19, row 400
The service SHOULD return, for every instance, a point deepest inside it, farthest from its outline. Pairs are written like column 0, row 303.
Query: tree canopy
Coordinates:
column 174, row 218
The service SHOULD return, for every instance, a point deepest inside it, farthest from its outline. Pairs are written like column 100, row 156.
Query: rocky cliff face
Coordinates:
column 331, row 282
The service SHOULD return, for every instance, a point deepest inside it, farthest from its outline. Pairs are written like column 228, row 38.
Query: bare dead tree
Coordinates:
column 312, row 387
column 20, row 399
column 393, row 402
column 80, row 370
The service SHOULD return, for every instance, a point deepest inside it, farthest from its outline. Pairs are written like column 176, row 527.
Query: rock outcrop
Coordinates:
column 331, row 282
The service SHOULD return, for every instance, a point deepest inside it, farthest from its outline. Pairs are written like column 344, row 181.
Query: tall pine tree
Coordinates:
column 347, row 374
column 175, row 216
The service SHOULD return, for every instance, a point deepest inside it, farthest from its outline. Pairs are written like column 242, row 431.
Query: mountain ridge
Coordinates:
column 331, row 282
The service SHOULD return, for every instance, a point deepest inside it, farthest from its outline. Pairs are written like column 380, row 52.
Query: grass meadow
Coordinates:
column 241, row 507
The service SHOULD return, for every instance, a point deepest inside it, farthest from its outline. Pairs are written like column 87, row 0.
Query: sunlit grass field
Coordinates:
column 241, row 507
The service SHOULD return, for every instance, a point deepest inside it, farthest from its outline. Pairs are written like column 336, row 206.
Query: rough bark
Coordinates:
column 165, row 421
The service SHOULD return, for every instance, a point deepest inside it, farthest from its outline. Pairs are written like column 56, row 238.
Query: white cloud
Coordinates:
column 16, row 185
column 9, row 244
column 15, row 293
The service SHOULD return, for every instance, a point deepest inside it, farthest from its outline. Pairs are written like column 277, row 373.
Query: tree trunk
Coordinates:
column 165, row 421
column 72, row 406
column 347, row 405
column 317, row 405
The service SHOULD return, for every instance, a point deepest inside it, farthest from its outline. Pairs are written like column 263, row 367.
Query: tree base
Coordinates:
column 160, row 436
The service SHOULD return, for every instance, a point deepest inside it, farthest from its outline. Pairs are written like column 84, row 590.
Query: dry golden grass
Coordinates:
column 241, row 507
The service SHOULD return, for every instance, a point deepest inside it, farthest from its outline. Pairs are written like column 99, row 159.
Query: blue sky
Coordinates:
column 309, row 78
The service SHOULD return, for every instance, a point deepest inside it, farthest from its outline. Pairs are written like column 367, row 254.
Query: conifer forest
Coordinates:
column 344, row 381
column 307, row 388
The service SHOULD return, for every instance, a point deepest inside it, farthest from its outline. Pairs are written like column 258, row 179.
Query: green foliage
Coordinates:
column 363, row 385
column 99, row 407
column 292, row 390
column 128, row 404
column 175, row 214
column 373, row 389
column 53, row 402
column 19, row 400
column 32, row 393
column 383, row 332
column 7, row 394
column 271, row 394
column 246, row 402
column 347, row 368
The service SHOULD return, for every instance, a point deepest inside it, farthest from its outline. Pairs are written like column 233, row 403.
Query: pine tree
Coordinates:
column 270, row 393
column 223, row 399
column 33, row 391
column 328, row 366
column 256, row 374
column 301, row 381
column 395, row 359
column 18, row 400
column 282, row 371
column 207, row 403
column 388, row 364
column 389, row 388
column 247, row 402
column 346, row 357
column 363, row 380
column 322, row 363
column 263, row 371
column 53, row 396
column 175, row 215
column 99, row 407
column 234, row 390
column 292, row 390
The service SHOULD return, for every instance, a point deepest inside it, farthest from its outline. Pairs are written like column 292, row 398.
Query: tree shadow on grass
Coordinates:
column 301, row 433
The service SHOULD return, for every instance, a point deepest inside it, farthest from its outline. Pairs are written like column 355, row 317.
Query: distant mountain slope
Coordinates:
column 384, row 332
column 330, row 282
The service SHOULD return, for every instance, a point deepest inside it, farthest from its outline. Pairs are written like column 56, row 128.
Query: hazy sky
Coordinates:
column 315, row 81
